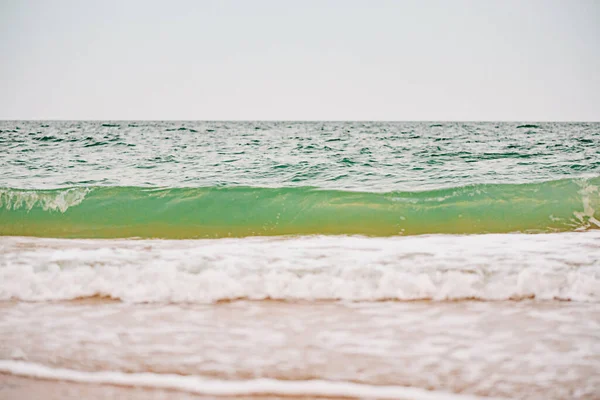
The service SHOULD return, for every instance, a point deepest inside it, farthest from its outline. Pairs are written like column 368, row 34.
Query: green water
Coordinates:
column 218, row 179
column 105, row 212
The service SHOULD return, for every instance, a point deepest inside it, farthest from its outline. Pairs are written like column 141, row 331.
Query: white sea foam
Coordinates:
column 58, row 200
column 563, row 266
column 200, row 385
column 590, row 196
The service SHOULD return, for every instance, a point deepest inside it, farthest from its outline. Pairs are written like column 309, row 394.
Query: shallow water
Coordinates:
column 529, row 349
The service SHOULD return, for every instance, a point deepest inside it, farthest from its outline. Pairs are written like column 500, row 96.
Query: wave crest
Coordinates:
column 58, row 200
column 178, row 213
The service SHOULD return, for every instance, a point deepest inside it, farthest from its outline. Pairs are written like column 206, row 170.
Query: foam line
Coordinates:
column 200, row 385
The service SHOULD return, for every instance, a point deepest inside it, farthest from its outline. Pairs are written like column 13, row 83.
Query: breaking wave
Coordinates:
column 559, row 266
column 210, row 212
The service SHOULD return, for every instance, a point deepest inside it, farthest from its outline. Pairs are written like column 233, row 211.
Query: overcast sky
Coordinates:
column 300, row 60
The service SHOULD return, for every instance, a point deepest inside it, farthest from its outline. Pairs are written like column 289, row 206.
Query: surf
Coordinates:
column 218, row 211
column 493, row 267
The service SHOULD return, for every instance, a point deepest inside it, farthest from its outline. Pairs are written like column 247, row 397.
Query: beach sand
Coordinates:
column 507, row 349
column 15, row 387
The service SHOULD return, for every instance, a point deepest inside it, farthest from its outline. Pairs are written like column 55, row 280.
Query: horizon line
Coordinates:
column 294, row 120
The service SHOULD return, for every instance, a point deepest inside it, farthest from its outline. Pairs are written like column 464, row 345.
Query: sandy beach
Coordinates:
column 14, row 387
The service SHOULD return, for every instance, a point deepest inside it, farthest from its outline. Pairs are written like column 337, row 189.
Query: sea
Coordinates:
column 282, row 259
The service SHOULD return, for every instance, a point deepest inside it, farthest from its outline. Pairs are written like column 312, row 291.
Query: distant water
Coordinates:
column 216, row 179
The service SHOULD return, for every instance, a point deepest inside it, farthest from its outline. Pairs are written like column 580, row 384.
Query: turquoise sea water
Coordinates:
column 211, row 179
column 363, row 156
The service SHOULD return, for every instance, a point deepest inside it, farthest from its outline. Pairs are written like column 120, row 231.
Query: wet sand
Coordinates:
column 16, row 387
column 527, row 349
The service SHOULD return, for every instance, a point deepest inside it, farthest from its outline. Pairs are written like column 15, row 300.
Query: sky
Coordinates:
column 405, row 60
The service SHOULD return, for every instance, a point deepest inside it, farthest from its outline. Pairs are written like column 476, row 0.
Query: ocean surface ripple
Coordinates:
column 362, row 156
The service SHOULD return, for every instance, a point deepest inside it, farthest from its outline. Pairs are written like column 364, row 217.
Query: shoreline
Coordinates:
column 544, row 349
